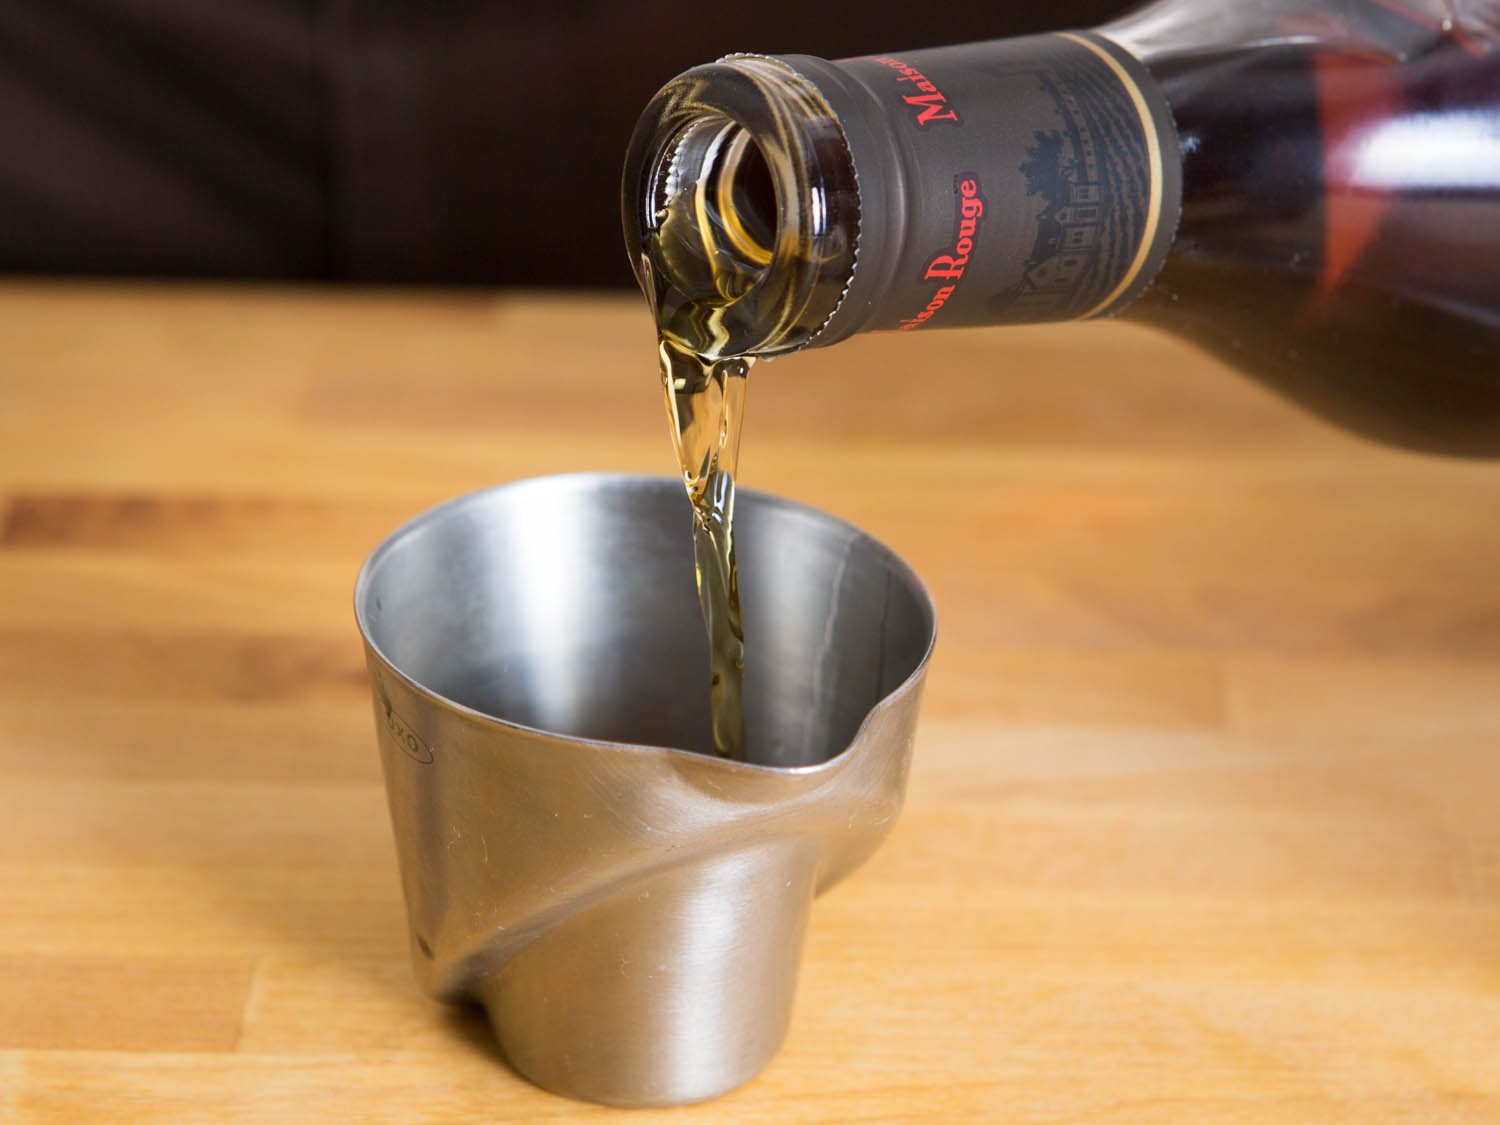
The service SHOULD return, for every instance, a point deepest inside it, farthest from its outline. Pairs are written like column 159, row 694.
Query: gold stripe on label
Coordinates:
column 1153, row 160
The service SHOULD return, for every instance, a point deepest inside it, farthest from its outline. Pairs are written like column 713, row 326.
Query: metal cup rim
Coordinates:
column 437, row 512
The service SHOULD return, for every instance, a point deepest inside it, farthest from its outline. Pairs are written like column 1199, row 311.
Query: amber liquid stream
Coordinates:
column 705, row 405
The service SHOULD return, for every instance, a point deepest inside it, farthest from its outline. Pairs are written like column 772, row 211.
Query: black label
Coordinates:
column 1043, row 180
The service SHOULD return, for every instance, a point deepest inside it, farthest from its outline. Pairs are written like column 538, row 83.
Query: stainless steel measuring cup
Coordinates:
column 629, row 909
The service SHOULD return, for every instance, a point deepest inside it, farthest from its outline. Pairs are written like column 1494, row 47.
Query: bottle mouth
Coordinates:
column 740, row 208
column 728, row 213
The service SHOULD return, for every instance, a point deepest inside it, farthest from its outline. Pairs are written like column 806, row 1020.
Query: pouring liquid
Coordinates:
column 705, row 401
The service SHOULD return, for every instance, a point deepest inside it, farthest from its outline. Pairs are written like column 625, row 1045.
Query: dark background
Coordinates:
column 375, row 140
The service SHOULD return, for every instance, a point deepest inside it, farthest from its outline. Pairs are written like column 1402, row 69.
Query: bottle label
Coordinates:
column 1045, row 180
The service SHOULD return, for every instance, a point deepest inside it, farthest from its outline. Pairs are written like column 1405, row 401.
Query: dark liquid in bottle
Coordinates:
column 1340, row 236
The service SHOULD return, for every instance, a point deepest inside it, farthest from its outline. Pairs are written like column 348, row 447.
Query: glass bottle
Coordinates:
column 1308, row 188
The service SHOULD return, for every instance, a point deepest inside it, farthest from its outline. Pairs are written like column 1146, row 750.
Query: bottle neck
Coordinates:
column 773, row 203
column 741, row 208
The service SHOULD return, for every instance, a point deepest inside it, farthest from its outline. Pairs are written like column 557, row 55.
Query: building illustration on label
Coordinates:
column 1089, row 187
column 1067, row 236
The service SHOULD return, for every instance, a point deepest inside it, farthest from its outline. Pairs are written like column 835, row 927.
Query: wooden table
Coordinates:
column 1204, row 823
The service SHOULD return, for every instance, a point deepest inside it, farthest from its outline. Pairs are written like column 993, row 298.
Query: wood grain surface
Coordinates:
column 1204, row 823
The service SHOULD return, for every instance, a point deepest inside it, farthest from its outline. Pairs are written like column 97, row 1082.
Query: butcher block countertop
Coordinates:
column 1204, row 818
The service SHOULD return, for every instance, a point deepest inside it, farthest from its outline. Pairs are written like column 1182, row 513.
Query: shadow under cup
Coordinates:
column 628, row 908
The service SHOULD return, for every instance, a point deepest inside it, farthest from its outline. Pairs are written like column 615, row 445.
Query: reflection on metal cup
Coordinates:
column 628, row 908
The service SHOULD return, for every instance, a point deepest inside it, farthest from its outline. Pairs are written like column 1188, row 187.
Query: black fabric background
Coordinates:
column 374, row 140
